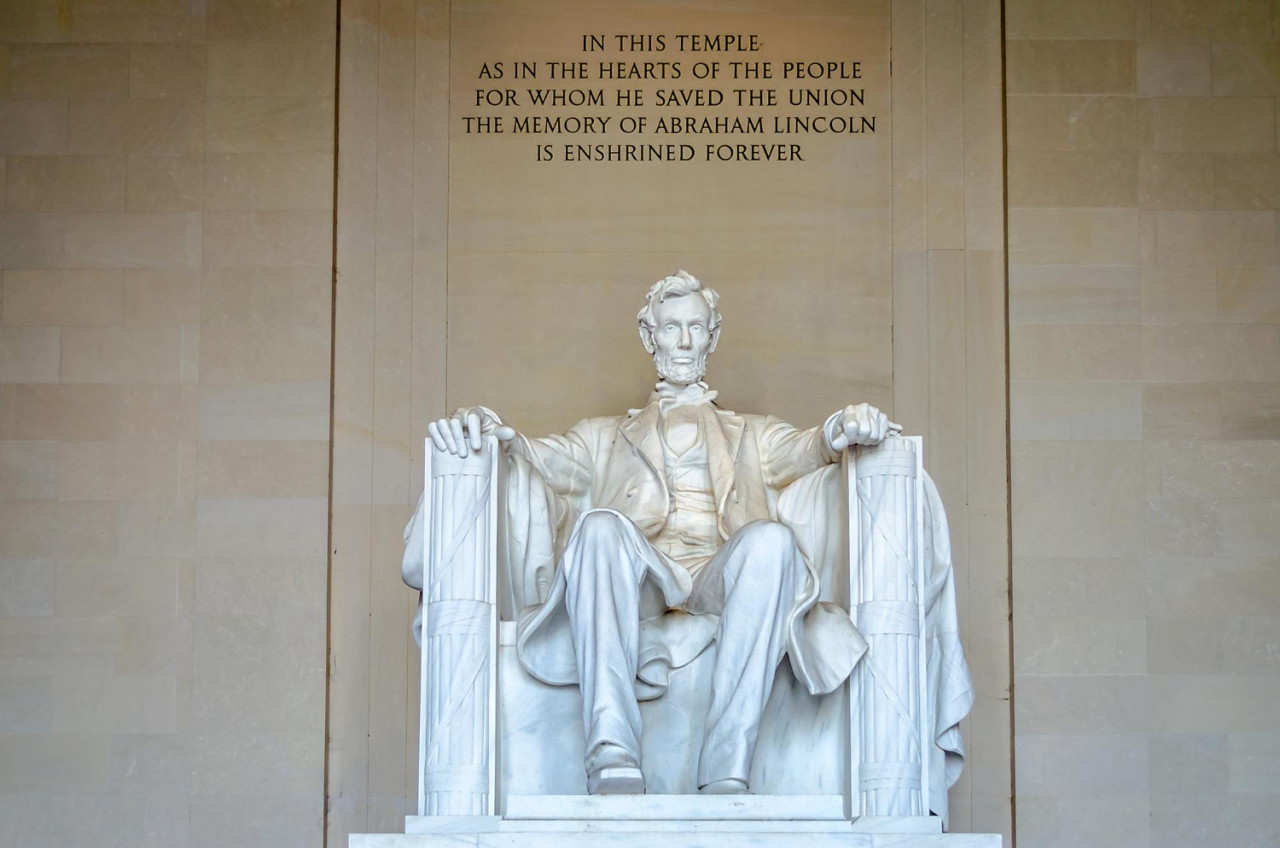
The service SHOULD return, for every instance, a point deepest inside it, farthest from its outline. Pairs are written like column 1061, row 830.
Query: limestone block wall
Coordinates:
column 949, row 340
column 1144, row 310
column 166, row 250
column 166, row 183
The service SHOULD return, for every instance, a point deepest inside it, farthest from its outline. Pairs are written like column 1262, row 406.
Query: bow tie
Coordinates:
column 669, row 396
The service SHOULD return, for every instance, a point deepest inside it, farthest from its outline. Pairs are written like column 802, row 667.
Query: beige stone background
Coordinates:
column 1144, row 303
column 172, row 342
column 548, row 263
column 166, row 227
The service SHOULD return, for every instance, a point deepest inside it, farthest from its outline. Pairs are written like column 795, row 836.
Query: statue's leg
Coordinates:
column 602, row 582
column 752, row 583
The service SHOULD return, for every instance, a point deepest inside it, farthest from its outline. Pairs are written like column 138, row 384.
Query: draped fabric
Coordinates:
column 812, row 506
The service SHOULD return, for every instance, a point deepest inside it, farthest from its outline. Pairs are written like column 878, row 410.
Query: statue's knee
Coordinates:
column 600, row 540
column 600, row 523
column 774, row 534
column 770, row 554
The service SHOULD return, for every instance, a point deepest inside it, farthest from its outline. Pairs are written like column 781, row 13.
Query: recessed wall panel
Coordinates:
column 594, row 150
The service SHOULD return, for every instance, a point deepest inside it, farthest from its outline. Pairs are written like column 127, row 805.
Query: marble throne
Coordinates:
column 500, row 752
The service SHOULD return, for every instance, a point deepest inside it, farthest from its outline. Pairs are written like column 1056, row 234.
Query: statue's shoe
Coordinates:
column 611, row 770
column 727, row 786
column 622, row 780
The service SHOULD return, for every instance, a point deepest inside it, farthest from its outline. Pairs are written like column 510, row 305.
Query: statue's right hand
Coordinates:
column 461, row 433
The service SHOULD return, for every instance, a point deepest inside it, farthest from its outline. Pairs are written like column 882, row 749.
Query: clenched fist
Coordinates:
column 860, row 424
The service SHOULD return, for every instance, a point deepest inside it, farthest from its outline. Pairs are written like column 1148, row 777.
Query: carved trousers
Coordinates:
column 752, row 583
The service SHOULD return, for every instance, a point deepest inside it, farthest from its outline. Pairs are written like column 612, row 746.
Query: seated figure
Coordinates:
column 675, row 507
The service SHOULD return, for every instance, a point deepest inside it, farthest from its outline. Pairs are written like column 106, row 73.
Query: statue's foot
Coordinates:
column 611, row 770
column 726, row 786
column 621, row 780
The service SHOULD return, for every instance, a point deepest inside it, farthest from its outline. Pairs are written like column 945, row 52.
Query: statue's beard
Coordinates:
column 681, row 373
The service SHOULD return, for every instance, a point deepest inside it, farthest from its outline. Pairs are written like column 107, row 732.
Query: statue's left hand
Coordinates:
column 861, row 424
column 462, row 433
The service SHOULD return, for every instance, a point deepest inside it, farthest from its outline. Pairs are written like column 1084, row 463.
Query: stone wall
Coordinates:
column 1144, row 303
column 166, row 184
column 166, row 246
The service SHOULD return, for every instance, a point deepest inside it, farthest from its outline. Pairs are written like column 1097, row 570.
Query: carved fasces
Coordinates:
column 888, row 716
column 459, row 633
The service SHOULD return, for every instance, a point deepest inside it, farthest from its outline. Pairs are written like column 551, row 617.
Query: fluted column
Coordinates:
column 889, row 768
column 459, row 634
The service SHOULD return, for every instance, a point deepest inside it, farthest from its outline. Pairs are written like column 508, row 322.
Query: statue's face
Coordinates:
column 682, row 338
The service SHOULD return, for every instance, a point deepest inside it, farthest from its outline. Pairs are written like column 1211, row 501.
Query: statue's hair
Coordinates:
column 680, row 284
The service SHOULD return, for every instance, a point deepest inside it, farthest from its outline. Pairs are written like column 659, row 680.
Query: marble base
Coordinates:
column 582, row 834
column 679, row 821
column 674, row 807
column 794, row 821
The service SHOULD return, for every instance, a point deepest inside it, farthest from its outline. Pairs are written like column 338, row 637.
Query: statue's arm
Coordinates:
column 788, row 453
column 563, row 461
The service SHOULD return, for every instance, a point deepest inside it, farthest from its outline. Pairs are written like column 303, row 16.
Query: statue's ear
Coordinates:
column 715, row 339
column 646, row 337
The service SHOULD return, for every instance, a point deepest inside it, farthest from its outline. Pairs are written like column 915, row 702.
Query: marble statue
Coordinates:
column 689, row 548
column 635, row 542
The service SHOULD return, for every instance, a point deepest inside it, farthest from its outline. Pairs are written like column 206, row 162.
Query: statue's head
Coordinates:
column 679, row 325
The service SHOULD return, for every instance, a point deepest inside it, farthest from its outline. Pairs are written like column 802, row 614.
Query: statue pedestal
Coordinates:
column 680, row 821
column 681, row 835
column 606, row 810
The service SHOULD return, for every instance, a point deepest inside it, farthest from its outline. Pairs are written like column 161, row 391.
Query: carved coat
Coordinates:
column 617, row 463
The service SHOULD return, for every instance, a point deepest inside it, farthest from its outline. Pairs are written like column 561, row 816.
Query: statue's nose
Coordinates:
column 686, row 340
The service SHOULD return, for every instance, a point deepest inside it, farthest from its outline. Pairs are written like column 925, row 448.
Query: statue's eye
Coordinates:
column 669, row 327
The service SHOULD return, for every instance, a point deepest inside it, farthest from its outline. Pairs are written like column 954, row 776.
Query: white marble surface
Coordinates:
column 417, row 824
column 458, row 730
column 701, row 838
column 897, row 824
column 675, row 807
column 890, row 734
